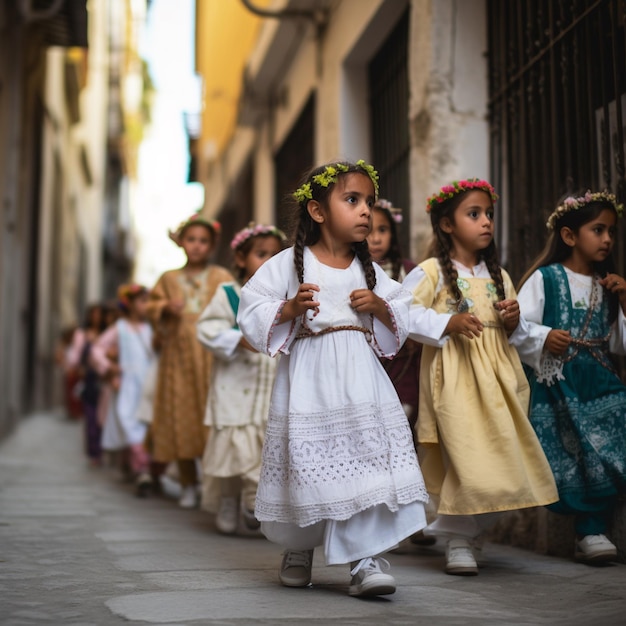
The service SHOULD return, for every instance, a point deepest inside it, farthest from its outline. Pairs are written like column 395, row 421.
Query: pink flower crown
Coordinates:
column 196, row 218
column 126, row 292
column 394, row 211
column 572, row 204
column 459, row 186
column 254, row 230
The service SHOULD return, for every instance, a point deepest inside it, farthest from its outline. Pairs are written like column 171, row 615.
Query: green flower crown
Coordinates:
column 459, row 186
column 573, row 204
column 330, row 175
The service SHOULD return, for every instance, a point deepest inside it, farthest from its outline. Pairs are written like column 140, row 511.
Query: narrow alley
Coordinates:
column 76, row 547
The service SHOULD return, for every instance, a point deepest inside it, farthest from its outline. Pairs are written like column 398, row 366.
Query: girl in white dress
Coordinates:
column 339, row 468
column 131, row 339
column 239, row 393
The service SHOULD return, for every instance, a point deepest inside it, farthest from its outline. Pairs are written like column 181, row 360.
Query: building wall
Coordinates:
column 52, row 153
column 448, row 91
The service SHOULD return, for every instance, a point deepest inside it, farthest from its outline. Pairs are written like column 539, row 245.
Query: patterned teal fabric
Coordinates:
column 580, row 421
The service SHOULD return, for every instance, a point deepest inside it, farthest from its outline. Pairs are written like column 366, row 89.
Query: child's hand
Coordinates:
column 509, row 311
column 302, row 302
column 243, row 342
column 366, row 301
column 175, row 307
column 615, row 284
column 464, row 324
column 557, row 341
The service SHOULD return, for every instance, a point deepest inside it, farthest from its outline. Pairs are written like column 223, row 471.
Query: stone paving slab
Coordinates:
column 76, row 547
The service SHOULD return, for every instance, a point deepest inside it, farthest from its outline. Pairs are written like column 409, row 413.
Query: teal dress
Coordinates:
column 580, row 417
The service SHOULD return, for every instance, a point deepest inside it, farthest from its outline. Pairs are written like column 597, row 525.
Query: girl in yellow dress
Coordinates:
column 480, row 454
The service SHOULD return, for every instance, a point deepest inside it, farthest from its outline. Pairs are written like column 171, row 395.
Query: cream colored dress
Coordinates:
column 481, row 452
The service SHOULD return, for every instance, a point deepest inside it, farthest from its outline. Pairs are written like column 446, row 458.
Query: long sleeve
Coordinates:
column 215, row 327
column 262, row 300
column 425, row 325
column 385, row 342
column 617, row 341
column 531, row 300
column 75, row 351
column 98, row 355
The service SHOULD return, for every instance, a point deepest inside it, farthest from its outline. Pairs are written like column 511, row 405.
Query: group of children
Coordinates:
column 510, row 401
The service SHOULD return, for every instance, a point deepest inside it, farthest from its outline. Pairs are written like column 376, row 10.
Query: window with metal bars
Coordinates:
column 389, row 102
column 557, row 108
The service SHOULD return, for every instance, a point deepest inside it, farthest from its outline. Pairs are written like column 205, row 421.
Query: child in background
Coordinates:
column 384, row 246
column 177, row 432
column 77, row 357
column 575, row 304
column 339, row 468
column 481, row 455
column 239, row 393
column 130, row 338
column 72, row 377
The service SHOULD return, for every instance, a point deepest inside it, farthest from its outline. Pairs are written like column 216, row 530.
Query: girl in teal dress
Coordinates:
column 575, row 304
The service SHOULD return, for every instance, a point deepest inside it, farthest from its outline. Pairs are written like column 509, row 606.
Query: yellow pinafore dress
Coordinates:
column 479, row 452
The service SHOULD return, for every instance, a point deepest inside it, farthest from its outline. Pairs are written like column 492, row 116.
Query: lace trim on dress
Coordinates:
column 551, row 369
column 351, row 458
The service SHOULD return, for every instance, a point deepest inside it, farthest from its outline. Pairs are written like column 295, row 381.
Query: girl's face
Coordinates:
column 379, row 239
column 350, row 204
column 471, row 229
column 594, row 240
column 263, row 248
column 197, row 242
column 138, row 307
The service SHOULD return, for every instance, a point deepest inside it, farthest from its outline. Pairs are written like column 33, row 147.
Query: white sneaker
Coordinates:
column 226, row 519
column 369, row 579
column 295, row 570
column 595, row 549
column 188, row 497
column 460, row 559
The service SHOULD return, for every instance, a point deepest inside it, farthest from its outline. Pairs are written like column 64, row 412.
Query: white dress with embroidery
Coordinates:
column 338, row 446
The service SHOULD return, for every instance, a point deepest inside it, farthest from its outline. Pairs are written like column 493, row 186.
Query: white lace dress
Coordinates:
column 338, row 450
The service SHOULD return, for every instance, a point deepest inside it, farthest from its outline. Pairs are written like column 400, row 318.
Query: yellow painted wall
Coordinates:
column 225, row 34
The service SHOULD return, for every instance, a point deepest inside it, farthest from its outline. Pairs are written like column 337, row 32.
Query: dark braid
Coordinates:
column 442, row 252
column 298, row 251
column 363, row 253
column 490, row 257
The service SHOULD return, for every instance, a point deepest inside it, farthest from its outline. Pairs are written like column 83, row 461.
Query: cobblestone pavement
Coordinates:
column 76, row 547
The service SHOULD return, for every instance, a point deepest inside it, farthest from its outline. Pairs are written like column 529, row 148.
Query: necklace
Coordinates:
column 594, row 345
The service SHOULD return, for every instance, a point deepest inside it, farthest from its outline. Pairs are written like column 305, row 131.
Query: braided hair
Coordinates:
column 308, row 232
column 441, row 246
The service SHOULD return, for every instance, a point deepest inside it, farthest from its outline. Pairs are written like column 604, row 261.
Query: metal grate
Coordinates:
column 557, row 106
column 389, row 101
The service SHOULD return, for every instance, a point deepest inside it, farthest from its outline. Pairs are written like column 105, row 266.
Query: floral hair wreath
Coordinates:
column 572, row 204
column 459, row 186
column 329, row 177
column 126, row 292
column 394, row 211
column 254, row 230
column 196, row 218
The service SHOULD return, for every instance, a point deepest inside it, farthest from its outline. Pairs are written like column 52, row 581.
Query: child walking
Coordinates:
column 131, row 339
column 177, row 432
column 339, row 468
column 78, row 358
column 481, row 455
column 384, row 246
column 239, row 393
column 575, row 302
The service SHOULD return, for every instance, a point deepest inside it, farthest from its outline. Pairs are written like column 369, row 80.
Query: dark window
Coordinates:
column 556, row 71
column 294, row 158
column 389, row 102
